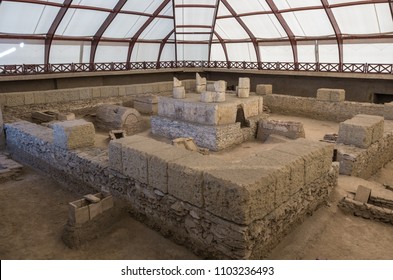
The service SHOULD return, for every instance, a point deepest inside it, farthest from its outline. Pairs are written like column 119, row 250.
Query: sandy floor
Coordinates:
column 33, row 211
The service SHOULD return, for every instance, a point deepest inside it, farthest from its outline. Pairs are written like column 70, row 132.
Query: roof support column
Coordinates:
column 337, row 31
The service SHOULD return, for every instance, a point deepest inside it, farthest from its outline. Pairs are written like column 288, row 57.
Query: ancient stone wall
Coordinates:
column 323, row 110
column 210, row 206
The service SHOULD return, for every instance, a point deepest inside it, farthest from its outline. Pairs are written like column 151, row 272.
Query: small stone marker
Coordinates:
column 91, row 198
column 362, row 194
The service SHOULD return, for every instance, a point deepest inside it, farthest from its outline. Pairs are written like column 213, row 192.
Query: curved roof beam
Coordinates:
column 337, row 31
column 143, row 27
column 212, row 31
column 287, row 30
column 224, row 46
column 174, row 27
column 162, row 45
column 248, row 31
column 52, row 30
column 103, row 27
column 391, row 7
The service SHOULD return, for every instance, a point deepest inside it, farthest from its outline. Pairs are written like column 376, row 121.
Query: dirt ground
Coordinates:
column 34, row 208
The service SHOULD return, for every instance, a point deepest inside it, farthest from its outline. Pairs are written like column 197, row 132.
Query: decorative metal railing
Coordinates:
column 30, row 69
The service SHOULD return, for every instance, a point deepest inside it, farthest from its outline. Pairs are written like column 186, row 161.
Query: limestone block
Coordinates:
column 107, row 203
column 65, row 116
column 55, row 96
column 226, row 114
column 263, row 89
column 109, row 91
column 39, row 97
column 252, row 106
column 146, row 108
column 122, row 91
column 199, row 80
column 95, row 209
column 85, row 93
column 185, row 177
column 200, row 88
column 134, row 157
column 241, row 195
column 29, row 98
column 210, row 86
column 317, row 157
column 158, row 166
column 219, row 96
column 203, row 113
column 179, row 93
column 291, row 130
column 176, row 82
column 220, row 86
column 244, row 83
column 362, row 194
column 361, row 131
column 72, row 94
column 207, row 96
column 332, row 95
column 96, row 92
column 243, row 92
column 388, row 111
column 15, row 99
column 73, row 134
column 78, row 212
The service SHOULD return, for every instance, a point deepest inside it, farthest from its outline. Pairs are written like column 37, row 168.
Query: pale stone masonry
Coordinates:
column 331, row 95
column 73, row 134
column 263, row 89
column 219, row 209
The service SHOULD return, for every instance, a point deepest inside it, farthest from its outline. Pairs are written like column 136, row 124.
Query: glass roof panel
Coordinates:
column 145, row 52
column 109, row 4
column 217, row 53
column 287, row 4
column 193, row 52
column 303, row 23
column 68, row 51
column 81, row 22
column 277, row 53
column 328, row 52
column 222, row 10
column 192, row 30
column 345, row 1
column 306, row 52
column 385, row 17
column 157, row 29
column 193, row 37
column 368, row 53
column 264, row 26
column 360, row 19
column 145, row 6
column 188, row 16
column 110, row 52
column 124, row 26
column 247, row 6
column 241, row 52
column 36, row 18
column 229, row 28
column 12, row 52
column 208, row 2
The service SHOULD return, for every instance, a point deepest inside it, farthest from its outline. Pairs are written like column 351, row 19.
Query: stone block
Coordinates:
column 185, row 177
column 44, row 116
column 177, row 82
column 243, row 92
column 388, row 111
column 219, row 96
column 158, row 166
column 179, row 93
column 39, row 97
column 95, row 209
column 263, row 89
column 207, row 96
column 240, row 195
column 210, row 86
column 109, row 91
column 361, row 131
column 55, row 96
column 200, row 81
column 73, row 94
column 200, row 88
column 329, row 94
column 85, row 93
column 291, row 130
column 220, row 86
column 115, row 151
column 107, row 203
column 122, row 91
column 96, row 92
column 29, row 98
column 145, row 108
column 134, row 157
column 226, row 114
column 15, row 99
column 78, row 212
column 362, row 194
column 244, row 83
column 73, row 134
column 252, row 106
column 65, row 116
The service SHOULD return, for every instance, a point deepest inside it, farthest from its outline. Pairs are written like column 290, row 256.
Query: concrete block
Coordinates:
column 134, row 157
column 158, row 166
column 85, row 93
column 362, row 194
column 207, row 96
column 185, row 177
column 39, row 97
column 243, row 92
column 179, row 93
column 244, row 83
column 263, row 89
column 388, row 111
column 219, row 96
column 29, row 98
column 220, row 86
column 240, row 195
column 73, row 134
column 15, row 99
column 78, row 212
column 361, row 131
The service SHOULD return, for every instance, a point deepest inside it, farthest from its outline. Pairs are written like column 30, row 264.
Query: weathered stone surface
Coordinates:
column 291, row 130
column 244, row 83
column 207, row 96
column 220, row 86
column 243, row 92
column 362, row 194
column 201, row 88
column 73, row 134
column 146, row 104
column 219, row 96
column 177, row 82
column 263, row 89
column 65, row 116
column 199, row 80
column 361, row 131
column 179, row 93
column 332, row 95
column 388, row 111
